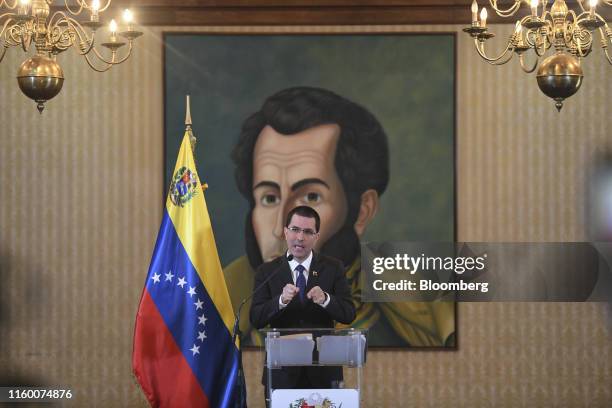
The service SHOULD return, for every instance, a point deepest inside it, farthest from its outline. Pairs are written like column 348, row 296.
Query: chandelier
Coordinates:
column 571, row 34
column 23, row 22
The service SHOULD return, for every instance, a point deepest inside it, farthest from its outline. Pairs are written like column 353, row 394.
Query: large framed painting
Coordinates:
column 358, row 125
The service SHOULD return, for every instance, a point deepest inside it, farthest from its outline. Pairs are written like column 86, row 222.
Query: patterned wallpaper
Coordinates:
column 81, row 204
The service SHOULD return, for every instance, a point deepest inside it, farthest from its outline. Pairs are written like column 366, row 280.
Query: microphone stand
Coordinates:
column 237, row 333
column 240, row 383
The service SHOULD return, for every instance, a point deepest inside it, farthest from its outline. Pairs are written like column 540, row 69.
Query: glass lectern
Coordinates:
column 286, row 348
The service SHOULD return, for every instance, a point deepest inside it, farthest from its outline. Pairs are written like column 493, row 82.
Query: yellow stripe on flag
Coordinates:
column 194, row 229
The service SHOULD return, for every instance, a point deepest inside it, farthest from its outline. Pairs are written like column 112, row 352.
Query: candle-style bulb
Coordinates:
column 474, row 11
column 23, row 8
column 593, row 4
column 128, row 17
column 95, row 5
column 483, row 17
column 534, row 7
column 112, row 26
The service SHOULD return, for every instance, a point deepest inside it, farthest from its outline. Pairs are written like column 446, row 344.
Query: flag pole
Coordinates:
column 189, row 130
column 188, row 124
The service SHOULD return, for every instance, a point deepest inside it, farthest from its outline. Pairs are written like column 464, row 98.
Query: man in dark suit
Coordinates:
column 307, row 290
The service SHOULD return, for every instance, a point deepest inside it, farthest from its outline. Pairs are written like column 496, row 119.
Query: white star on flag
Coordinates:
column 155, row 277
column 191, row 291
column 195, row 350
column 198, row 304
column 202, row 336
column 169, row 276
column 202, row 320
column 182, row 282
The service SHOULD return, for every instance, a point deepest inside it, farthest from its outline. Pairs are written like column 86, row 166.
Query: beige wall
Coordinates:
column 81, row 204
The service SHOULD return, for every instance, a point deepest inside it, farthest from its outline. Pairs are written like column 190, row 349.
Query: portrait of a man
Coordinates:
column 350, row 126
column 309, row 146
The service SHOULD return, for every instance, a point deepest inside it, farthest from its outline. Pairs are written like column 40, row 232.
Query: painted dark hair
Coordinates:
column 362, row 154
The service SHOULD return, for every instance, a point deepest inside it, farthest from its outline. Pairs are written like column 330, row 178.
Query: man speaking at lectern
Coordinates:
column 304, row 290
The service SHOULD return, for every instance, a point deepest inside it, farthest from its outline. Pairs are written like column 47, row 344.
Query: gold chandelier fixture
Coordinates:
column 571, row 33
column 23, row 22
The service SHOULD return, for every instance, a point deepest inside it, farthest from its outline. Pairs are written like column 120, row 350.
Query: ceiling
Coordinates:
column 308, row 12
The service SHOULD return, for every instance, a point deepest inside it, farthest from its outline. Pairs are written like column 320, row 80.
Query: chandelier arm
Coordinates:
column 79, row 11
column 10, row 36
column 92, row 66
column 83, row 5
column 81, row 33
column 114, row 60
column 508, row 58
column 84, row 38
column 608, row 56
column 568, row 35
column 587, row 16
column 574, row 16
column 480, row 49
column 59, row 32
column 90, row 44
column 583, row 39
column 507, row 12
column 126, row 56
column 9, row 14
column 6, row 4
column 101, row 9
column 527, row 69
column 545, row 44
column 581, row 6
column 6, row 23
column 532, row 39
column 101, row 58
column 59, row 13
column 25, row 47
column 604, row 37
column 62, row 40
column 586, row 45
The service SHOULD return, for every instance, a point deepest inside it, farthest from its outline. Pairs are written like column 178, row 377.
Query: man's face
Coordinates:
column 294, row 170
column 301, row 236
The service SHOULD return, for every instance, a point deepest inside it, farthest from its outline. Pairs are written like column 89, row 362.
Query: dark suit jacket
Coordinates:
column 265, row 311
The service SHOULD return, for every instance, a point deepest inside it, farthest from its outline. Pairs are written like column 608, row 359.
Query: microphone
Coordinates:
column 236, row 331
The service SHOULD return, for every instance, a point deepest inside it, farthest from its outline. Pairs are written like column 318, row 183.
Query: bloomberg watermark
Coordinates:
column 417, row 271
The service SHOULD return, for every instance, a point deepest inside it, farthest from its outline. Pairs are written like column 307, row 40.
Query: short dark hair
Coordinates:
column 304, row 211
column 362, row 153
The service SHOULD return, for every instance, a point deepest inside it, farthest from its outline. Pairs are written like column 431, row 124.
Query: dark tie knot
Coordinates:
column 300, row 268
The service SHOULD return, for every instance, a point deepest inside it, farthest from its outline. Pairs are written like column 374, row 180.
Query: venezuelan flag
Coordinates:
column 183, row 352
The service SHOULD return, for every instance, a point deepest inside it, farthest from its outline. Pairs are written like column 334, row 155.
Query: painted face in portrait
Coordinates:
column 294, row 170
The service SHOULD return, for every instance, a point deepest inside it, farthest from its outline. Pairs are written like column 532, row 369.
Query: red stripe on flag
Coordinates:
column 164, row 376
